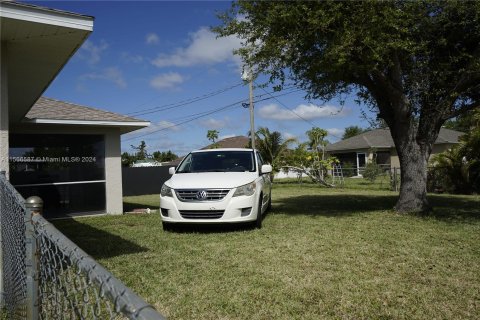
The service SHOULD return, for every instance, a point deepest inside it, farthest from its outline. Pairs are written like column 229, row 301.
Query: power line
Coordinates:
column 190, row 101
column 184, row 102
column 284, row 106
column 196, row 116
column 292, row 111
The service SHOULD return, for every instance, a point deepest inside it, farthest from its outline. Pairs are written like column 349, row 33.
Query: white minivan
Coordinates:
column 230, row 185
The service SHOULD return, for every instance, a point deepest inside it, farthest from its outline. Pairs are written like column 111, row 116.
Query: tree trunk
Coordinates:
column 413, row 158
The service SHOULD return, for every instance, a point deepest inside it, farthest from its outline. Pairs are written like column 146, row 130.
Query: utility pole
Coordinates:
column 247, row 75
column 252, row 124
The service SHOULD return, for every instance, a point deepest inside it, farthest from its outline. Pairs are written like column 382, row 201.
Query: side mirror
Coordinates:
column 171, row 170
column 266, row 168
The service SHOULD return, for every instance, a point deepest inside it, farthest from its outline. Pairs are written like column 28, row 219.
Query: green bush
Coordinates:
column 348, row 169
column 372, row 171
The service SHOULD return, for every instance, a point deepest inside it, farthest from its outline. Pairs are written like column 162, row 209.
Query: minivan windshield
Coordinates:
column 218, row 161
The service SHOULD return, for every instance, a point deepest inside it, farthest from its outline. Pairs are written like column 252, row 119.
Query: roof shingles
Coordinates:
column 381, row 138
column 47, row 108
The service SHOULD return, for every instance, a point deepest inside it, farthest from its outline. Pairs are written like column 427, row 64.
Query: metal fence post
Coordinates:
column 34, row 206
column 2, row 301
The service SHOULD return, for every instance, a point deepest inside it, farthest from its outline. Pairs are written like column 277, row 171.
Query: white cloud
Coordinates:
column 91, row 52
column 152, row 38
column 134, row 58
column 167, row 80
column 288, row 135
column 301, row 112
column 161, row 127
column 336, row 133
column 204, row 48
column 165, row 126
column 112, row 74
column 215, row 124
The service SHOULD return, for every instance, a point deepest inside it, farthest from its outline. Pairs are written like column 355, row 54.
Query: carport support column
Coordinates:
column 3, row 110
column 113, row 173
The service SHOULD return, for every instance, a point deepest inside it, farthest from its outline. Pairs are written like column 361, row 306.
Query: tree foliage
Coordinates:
column 164, row 156
column 458, row 170
column 271, row 146
column 128, row 159
column 352, row 131
column 372, row 171
column 309, row 157
column 415, row 63
column 212, row 135
column 141, row 149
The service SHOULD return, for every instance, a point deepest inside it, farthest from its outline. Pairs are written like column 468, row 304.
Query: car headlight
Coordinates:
column 166, row 191
column 245, row 190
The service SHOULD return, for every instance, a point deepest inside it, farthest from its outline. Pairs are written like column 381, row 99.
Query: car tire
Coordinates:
column 258, row 222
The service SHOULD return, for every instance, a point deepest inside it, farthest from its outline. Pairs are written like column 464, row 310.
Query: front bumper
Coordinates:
column 229, row 210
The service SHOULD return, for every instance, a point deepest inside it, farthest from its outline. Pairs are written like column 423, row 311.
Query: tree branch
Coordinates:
column 463, row 109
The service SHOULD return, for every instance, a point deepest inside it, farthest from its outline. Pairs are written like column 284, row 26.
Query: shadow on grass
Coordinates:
column 343, row 205
column 97, row 243
column 211, row 228
column 451, row 208
column 130, row 206
column 337, row 205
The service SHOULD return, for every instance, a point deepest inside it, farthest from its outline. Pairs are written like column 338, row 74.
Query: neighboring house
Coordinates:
column 65, row 153
column 378, row 144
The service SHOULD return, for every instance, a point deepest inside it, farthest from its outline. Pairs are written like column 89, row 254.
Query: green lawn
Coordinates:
column 322, row 254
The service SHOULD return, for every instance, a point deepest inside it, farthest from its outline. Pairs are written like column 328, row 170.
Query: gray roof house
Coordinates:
column 379, row 144
column 67, row 154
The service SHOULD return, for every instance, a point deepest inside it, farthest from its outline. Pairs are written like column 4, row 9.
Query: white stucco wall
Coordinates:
column 113, row 172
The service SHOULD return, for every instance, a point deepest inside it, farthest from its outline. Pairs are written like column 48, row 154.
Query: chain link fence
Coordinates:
column 13, row 279
column 46, row 276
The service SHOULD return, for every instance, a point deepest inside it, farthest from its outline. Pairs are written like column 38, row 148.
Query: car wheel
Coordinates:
column 258, row 222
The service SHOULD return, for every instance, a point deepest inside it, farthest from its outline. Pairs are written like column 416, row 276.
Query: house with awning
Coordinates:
column 65, row 153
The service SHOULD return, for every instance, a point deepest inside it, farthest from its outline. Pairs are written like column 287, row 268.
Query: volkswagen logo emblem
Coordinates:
column 201, row 195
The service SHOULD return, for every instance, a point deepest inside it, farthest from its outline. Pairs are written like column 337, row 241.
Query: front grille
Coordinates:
column 193, row 194
column 201, row 214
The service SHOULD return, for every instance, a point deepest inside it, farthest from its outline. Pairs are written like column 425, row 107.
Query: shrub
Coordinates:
column 372, row 171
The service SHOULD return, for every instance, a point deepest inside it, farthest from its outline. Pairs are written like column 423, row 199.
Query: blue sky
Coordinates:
column 157, row 56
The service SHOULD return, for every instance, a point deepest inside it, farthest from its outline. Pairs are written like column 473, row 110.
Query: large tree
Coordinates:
column 352, row 131
column 416, row 63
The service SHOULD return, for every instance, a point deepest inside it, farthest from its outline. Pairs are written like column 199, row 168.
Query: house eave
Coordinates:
column 90, row 122
column 123, row 126
column 30, row 13
column 37, row 42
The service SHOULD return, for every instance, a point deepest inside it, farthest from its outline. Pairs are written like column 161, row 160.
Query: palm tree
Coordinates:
column 271, row 146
